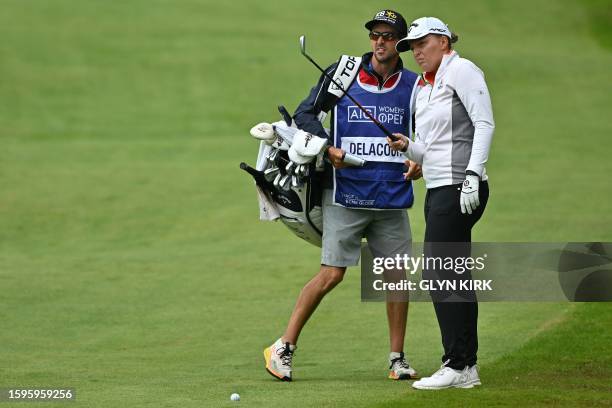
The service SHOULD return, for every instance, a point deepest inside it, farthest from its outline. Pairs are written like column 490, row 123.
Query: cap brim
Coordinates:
column 370, row 24
column 403, row 45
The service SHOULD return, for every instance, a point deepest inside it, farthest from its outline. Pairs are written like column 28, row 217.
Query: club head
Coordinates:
column 272, row 156
column 277, row 180
column 271, row 173
column 303, row 44
column 302, row 170
column 285, row 182
column 271, row 170
column 289, row 167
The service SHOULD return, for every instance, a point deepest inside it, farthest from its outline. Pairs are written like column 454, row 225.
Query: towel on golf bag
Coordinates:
column 267, row 207
column 299, row 208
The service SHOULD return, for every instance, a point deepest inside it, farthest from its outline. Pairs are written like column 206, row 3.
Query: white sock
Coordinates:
column 393, row 355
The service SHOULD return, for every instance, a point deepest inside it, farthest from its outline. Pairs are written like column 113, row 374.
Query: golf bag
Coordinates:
column 286, row 190
column 289, row 171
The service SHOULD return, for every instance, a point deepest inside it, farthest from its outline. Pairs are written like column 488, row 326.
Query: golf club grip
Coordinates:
column 354, row 160
column 339, row 86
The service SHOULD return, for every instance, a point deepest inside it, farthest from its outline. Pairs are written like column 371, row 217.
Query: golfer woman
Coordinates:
column 454, row 126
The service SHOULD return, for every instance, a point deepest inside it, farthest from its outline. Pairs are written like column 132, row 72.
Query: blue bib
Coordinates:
column 380, row 183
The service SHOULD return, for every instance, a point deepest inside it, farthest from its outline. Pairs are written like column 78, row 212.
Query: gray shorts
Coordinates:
column 387, row 232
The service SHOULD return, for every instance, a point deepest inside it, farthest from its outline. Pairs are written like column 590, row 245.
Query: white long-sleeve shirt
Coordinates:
column 453, row 123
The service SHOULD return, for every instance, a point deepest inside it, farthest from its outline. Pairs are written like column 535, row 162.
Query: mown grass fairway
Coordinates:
column 132, row 264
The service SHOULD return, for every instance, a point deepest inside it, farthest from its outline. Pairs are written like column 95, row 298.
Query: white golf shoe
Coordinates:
column 445, row 377
column 278, row 359
column 400, row 369
column 473, row 377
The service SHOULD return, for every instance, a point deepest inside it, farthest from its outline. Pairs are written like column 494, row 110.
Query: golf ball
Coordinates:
column 235, row 397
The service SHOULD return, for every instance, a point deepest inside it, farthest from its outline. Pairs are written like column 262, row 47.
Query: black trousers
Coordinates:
column 457, row 313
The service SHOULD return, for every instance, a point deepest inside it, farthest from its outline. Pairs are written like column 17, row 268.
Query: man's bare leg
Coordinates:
column 310, row 297
column 397, row 315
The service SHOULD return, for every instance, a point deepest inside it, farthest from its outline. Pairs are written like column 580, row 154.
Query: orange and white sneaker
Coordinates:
column 400, row 369
column 278, row 359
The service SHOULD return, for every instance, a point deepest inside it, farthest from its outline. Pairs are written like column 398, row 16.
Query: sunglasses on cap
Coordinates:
column 387, row 36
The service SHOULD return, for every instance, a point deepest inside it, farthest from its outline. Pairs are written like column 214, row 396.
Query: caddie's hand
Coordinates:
column 469, row 194
column 414, row 171
column 399, row 145
column 336, row 157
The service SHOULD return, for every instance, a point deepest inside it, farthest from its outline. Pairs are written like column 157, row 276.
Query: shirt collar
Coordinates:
column 429, row 77
column 366, row 65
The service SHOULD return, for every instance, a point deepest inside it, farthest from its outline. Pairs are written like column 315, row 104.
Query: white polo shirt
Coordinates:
column 453, row 123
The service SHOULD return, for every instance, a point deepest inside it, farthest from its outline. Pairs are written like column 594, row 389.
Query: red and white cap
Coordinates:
column 420, row 28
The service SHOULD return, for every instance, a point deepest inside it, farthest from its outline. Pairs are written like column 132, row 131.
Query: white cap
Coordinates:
column 420, row 28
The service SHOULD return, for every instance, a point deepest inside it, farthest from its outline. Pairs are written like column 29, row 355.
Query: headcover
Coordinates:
column 305, row 147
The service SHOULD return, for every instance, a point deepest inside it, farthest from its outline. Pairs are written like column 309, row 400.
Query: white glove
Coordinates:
column 469, row 194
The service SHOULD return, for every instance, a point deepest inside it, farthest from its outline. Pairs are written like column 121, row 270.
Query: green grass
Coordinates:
column 540, row 373
column 132, row 264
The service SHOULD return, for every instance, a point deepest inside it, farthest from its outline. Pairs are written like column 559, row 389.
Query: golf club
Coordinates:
column 272, row 155
column 270, row 173
column 368, row 114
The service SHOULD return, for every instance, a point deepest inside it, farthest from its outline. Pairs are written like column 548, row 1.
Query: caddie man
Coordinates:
column 368, row 201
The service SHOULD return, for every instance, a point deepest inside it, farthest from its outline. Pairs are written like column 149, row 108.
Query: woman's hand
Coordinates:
column 414, row 171
column 400, row 144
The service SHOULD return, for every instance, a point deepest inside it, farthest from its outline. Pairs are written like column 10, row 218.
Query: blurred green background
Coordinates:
column 133, row 266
